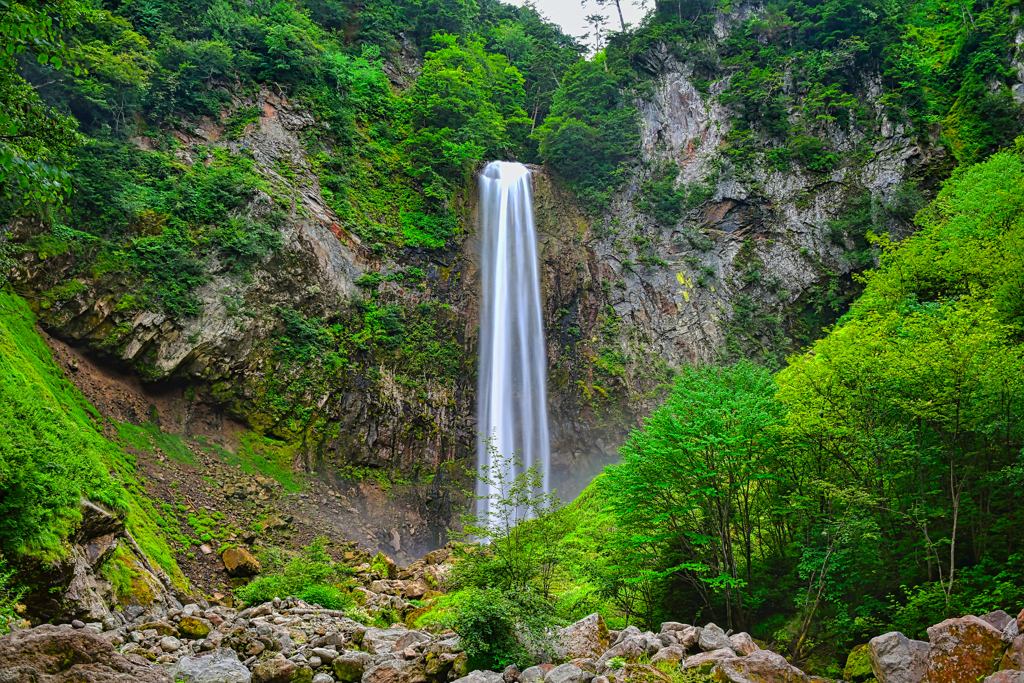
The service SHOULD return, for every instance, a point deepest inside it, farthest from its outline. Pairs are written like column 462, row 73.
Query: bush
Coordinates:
column 498, row 628
column 311, row 573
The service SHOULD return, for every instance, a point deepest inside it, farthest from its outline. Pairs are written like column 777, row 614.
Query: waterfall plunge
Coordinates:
column 512, row 394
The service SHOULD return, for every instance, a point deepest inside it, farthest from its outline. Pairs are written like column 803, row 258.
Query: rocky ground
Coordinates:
column 290, row 640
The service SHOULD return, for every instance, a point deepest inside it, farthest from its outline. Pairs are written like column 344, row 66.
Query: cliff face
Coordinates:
column 628, row 298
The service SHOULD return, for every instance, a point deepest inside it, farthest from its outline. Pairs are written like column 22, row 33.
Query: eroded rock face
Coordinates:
column 963, row 649
column 894, row 658
column 51, row 654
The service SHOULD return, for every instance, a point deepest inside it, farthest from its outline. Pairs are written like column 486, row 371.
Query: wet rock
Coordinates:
column 220, row 666
column 49, row 653
column 588, row 637
column 894, row 658
column 964, row 649
column 762, row 666
column 239, row 562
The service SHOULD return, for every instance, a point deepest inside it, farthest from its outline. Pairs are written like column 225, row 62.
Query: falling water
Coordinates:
column 512, row 396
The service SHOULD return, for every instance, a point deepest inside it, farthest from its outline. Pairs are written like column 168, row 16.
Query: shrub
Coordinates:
column 328, row 597
column 310, row 573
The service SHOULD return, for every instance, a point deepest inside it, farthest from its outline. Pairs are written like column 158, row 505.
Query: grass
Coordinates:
column 257, row 454
column 53, row 453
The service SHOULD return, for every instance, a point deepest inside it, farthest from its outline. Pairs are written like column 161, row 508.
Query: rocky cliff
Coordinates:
column 362, row 361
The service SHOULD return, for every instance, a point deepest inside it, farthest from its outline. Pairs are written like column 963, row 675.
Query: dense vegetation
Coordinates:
column 874, row 484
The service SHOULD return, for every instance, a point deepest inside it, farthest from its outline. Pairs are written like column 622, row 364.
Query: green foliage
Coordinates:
column 498, row 627
column 311, row 572
column 10, row 595
column 666, row 201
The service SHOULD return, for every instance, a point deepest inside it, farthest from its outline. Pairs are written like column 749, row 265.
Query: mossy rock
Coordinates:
column 193, row 629
column 858, row 665
column 411, row 617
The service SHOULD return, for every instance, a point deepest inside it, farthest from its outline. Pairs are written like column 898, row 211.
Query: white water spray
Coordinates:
column 512, row 396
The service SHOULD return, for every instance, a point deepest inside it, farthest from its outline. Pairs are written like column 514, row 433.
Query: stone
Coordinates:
column 170, row 644
column 713, row 638
column 999, row 619
column 380, row 640
column 274, row 671
column 743, row 643
column 326, row 655
column 219, row 666
column 894, row 658
column 389, row 672
column 630, row 649
column 193, row 628
column 315, row 662
column 567, row 673
column 672, row 653
column 323, row 678
column 77, row 654
column 626, row 633
column 667, row 626
column 510, row 674
column 205, row 549
column 532, row 675
column 408, row 639
column 480, row 677
column 350, row 665
column 76, row 623
column 588, row 637
column 1006, row 676
column 417, row 589
column 437, row 556
column 964, row 649
column 705, row 660
column 858, row 664
column 762, row 666
column 689, row 637
column 239, row 562
column 1014, row 656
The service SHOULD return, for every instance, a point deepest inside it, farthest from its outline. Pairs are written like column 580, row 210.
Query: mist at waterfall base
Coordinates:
column 512, row 395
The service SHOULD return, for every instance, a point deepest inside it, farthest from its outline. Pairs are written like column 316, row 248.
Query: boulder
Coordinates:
column 274, row 671
column 323, row 678
column 667, row 626
column 533, row 674
column 480, row 677
column 49, row 653
column 193, row 628
column 588, row 637
column 1006, row 676
column 706, row 660
column 417, row 589
column 894, row 658
column 326, row 655
column 625, row 633
column 567, row 673
column 380, row 640
column 239, row 562
column 219, row 666
column 964, row 649
column 1014, row 657
column 408, row 639
column 387, row 672
column 170, row 644
column 630, row 649
column 350, row 665
column 437, row 556
column 713, row 638
column 999, row 619
column 510, row 674
column 672, row 653
column 743, row 643
column 858, row 664
column 689, row 637
column 762, row 666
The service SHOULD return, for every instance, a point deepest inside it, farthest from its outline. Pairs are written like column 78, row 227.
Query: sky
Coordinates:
column 569, row 14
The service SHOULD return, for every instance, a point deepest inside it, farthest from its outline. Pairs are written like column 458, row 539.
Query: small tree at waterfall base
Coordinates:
column 515, row 529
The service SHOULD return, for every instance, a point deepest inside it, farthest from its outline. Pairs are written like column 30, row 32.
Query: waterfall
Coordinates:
column 512, row 394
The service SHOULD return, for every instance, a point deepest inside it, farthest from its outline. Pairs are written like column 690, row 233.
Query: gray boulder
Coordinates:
column 689, row 637
column 708, row 658
column 630, row 649
column 380, row 640
column 326, row 655
column 626, row 633
column 743, row 643
column 1006, row 676
column 408, row 639
column 762, row 666
column 480, row 677
column 350, row 665
column 219, row 666
column 999, row 619
column 897, row 659
column 532, row 674
column 672, row 653
column 323, row 678
column 568, row 673
column 391, row 672
column 713, row 638
column 667, row 626
column 588, row 637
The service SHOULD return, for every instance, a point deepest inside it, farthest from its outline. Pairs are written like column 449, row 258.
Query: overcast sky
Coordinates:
column 569, row 14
